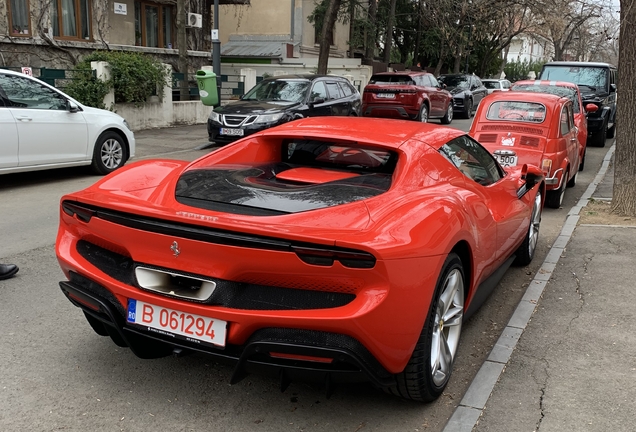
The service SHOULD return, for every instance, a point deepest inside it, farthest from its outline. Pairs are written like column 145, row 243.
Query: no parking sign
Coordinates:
column 27, row 71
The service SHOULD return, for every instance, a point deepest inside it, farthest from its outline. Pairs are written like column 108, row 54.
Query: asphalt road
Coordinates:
column 57, row 374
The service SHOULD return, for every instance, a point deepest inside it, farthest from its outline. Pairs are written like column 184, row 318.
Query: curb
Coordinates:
column 467, row 414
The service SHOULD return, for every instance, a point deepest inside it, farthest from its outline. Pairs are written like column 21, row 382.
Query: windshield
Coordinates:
column 567, row 92
column 593, row 77
column 459, row 81
column 279, row 90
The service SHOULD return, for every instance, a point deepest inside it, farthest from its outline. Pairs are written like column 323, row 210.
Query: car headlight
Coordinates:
column 216, row 117
column 269, row 118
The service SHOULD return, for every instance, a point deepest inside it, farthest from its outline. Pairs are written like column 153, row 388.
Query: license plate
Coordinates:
column 386, row 95
column 232, row 132
column 506, row 160
column 182, row 325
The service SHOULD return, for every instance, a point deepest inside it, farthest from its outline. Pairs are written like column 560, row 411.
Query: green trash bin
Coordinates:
column 208, row 92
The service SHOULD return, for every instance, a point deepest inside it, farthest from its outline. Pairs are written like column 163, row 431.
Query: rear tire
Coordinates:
column 428, row 371
column 423, row 117
column 582, row 163
column 611, row 132
column 572, row 181
column 598, row 138
column 554, row 198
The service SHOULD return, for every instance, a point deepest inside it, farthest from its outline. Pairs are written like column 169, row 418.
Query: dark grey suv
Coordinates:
column 278, row 100
column 597, row 84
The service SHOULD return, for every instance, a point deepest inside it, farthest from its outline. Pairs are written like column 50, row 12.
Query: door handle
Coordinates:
column 24, row 118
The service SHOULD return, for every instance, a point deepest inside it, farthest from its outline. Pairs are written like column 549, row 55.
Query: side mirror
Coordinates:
column 591, row 108
column 612, row 88
column 317, row 101
column 73, row 107
column 530, row 176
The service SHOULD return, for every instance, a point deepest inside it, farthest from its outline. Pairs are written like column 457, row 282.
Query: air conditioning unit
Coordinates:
column 195, row 20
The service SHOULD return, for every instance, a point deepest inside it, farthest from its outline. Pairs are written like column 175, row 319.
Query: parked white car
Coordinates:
column 494, row 85
column 43, row 128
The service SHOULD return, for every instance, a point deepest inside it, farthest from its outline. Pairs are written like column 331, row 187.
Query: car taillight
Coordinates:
column 546, row 166
column 326, row 257
column 81, row 213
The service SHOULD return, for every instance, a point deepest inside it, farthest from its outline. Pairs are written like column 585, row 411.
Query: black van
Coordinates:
column 597, row 83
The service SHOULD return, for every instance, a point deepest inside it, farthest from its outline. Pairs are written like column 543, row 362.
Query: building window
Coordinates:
column 71, row 19
column 19, row 21
column 154, row 25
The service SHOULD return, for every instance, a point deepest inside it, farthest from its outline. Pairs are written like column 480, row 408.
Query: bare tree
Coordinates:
column 624, row 196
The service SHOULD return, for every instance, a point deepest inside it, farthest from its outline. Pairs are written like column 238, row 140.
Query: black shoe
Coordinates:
column 7, row 270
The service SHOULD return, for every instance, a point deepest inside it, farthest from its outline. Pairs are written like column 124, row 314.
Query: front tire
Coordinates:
column 525, row 252
column 469, row 109
column 429, row 369
column 110, row 153
column 448, row 117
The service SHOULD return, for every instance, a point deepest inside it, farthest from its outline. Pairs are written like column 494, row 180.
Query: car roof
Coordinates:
column 409, row 73
column 546, row 83
column 521, row 96
column 387, row 133
column 582, row 64
column 309, row 77
column 493, row 79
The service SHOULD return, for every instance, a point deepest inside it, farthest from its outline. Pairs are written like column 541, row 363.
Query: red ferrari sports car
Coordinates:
column 532, row 128
column 338, row 249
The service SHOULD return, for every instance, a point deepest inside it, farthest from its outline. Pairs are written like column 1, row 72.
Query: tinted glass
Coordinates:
column 334, row 90
column 346, row 89
column 279, row 90
column 567, row 92
column 473, row 160
column 391, row 79
column 318, row 92
column 492, row 84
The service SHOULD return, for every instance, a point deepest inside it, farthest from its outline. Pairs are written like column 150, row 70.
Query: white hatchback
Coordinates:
column 43, row 128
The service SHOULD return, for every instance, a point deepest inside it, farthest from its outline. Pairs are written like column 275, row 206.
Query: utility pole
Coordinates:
column 216, row 49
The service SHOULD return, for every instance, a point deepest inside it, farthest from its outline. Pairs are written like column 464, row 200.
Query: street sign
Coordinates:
column 27, row 70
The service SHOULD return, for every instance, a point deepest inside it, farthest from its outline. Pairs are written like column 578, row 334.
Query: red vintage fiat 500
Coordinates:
column 532, row 128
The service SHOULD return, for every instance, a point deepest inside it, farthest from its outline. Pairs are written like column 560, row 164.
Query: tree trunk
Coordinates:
column 388, row 41
column 352, row 18
column 624, row 195
column 440, row 60
column 182, row 43
column 369, row 53
column 327, row 25
column 458, row 60
column 418, row 35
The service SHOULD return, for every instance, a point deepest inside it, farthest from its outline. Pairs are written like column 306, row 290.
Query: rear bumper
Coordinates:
column 386, row 111
column 296, row 352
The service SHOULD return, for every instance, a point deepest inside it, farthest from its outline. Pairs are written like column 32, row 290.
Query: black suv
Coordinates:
column 277, row 100
column 597, row 83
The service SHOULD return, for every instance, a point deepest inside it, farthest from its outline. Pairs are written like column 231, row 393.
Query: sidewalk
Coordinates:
column 574, row 364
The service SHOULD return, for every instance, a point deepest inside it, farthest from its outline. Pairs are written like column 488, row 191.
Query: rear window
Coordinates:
column 391, row 79
column 517, row 111
column 492, row 84
column 315, row 153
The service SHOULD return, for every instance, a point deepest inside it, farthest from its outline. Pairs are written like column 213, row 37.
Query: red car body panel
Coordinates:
column 533, row 143
column 430, row 208
column 580, row 116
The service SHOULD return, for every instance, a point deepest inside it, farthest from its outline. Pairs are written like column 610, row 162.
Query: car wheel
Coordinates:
column 598, row 138
column 469, row 109
column 554, row 198
column 582, row 163
column 423, row 117
column 448, row 117
column 525, row 252
column 428, row 371
column 109, row 153
column 572, row 181
column 611, row 132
